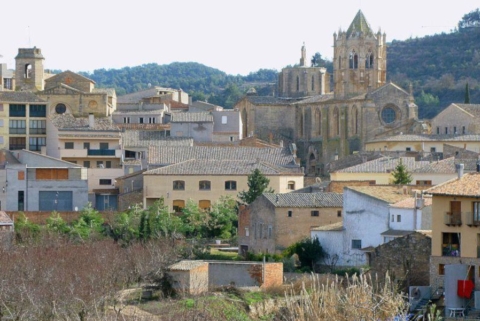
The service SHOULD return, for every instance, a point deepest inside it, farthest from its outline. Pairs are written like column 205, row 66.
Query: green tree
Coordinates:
column 195, row 219
column 55, row 223
column 223, row 218
column 309, row 251
column 257, row 185
column 400, row 174
column 467, row 94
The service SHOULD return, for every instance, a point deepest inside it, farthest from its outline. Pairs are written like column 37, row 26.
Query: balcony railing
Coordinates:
column 453, row 218
column 472, row 219
column 101, row 152
column 38, row 131
column 450, row 250
column 17, row 131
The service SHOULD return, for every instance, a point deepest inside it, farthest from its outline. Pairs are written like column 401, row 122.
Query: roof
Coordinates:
column 68, row 73
column 305, row 199
column 397, row 233
column 382, row 88
column 359, row 24
column 144, row 126
column 410, row 202
column 186, row 265
column 330, row 227
column 20, row 97
column 142, row 138
column 139, row 95
column 270, row 100
column 69, row 122
column 5, row 219
column 387, row 193
column 446, row 166
column 317, row 99
column 163, row 155
column 468, row 185
column 191, row 117
column 426, row 138
column 108, row 91
column 222, row 167
column 384, row 165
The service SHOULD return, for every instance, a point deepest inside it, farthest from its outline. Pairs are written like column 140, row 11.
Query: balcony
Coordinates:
column 101, row 152
column 453, row 218
column 472, row 219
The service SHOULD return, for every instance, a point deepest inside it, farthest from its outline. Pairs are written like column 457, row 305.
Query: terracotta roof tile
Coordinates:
column 141, row 138
column 467, row 185
column 69, row 122
column 20, row 96
column 390, row 194
column 186, row 265
column 313, row 200
column 410, row 202
column 191, row 117
column 384, row 165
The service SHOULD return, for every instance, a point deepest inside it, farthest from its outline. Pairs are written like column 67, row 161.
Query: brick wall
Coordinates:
column 273, row 275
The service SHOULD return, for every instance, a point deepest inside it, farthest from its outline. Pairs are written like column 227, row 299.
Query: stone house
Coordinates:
column 205, row 181
column 406, row 259
column 367, row 222
column 198, row 126
column 457, row 119
column 195, row 277
column 275, row 221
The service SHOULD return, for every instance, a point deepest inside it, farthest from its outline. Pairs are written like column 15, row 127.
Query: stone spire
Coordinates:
column 359, row 24
column 303, row 58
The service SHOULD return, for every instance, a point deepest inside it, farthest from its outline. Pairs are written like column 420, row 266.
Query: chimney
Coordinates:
column 91, row 120
column 460, row 168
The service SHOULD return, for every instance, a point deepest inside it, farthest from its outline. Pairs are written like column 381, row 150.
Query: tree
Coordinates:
column 470, row 20
column 257, row 185
column 400, row 174
column 222, row 218
column 317, row 60
column 467, row 94
column 309, row 251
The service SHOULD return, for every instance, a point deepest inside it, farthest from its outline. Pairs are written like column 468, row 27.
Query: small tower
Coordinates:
column 360, row 59
column 303, row 58
column 29, row 69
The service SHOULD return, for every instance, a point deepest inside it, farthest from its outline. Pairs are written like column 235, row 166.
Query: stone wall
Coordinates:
column 406, row 259
column 126, row 200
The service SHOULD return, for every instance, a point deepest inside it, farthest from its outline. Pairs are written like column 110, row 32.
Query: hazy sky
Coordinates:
column 237, row 37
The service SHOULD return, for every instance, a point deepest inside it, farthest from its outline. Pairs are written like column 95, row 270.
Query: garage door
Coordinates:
column 55, row 201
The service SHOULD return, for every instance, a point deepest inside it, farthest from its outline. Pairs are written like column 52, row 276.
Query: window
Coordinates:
column 7, row 83
column 399, row 218
column 247, row 232
column 424, row 182
column 438, row 130
column 298, row 84
column 140, row 120
column 369, row 60
column 353, row 59
column 204, row 185
column 224, row 119
column 86, row 164
column 86, row 145
column 151, row 120
column 476, row 213
column 103, row 145
column 108, row 164
column 450, row 244
column 393, row 218
column 16, row 143
column 126, row 120
column 464, row 131
column 104, row 181
column 290, row 213
column 433, row 149
column 446, row 130
column 339, row 213
column 388, row 115
column 356, row 244
column 60, row 109
column 204, row 204
column 270, row 228
column 291, row 185
column 179, row 185
column 455, row 130
column 35, row 143
column 314, row 213
column 231, row 185
column 408, row 149
column 21, row 200
column 232, row 138
column 38, row 111
column 99, row 164
column 68, row 145
column 18, row 127
column 178, row 206
column 313, row 83
column 17, row 110
column 38, row 127
column 441, row 269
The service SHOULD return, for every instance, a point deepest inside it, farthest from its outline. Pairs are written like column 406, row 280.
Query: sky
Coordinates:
column 237, row 37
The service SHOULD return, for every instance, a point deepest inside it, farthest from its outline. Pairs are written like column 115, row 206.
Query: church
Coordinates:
column 327, row 125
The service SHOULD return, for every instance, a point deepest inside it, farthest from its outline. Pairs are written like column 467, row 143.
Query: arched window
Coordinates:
column 204, row 204
column 28, row 71
column 204, row 185
column 353, row 60
column 179, row 185
column 318, row 117
column 369, row 58
column 298, row 83
column 354, row 120
column 313, row 83
column 178, row 205
column 336, row 122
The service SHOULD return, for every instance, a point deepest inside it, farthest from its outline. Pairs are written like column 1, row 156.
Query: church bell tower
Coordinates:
column 360, row 59
column 29, row 69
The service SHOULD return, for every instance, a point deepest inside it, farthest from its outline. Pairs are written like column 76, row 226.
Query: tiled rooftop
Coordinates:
column 390, row 193
column 396, row 233
column 20, row 97
column 186, row 265
column 191, row 117
column 144, row 126
column 472, row 109
column 137, row 96
column 410, row 202
column 141, row 138
column 330, row 227
column 316, row 99
column 446, row 166
column 305, row 199
column 384, row 165
column 269, row 100
column 222, row 167
column 427, row 138
column 69, row 122
column 467, row 185
column 164, row 155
